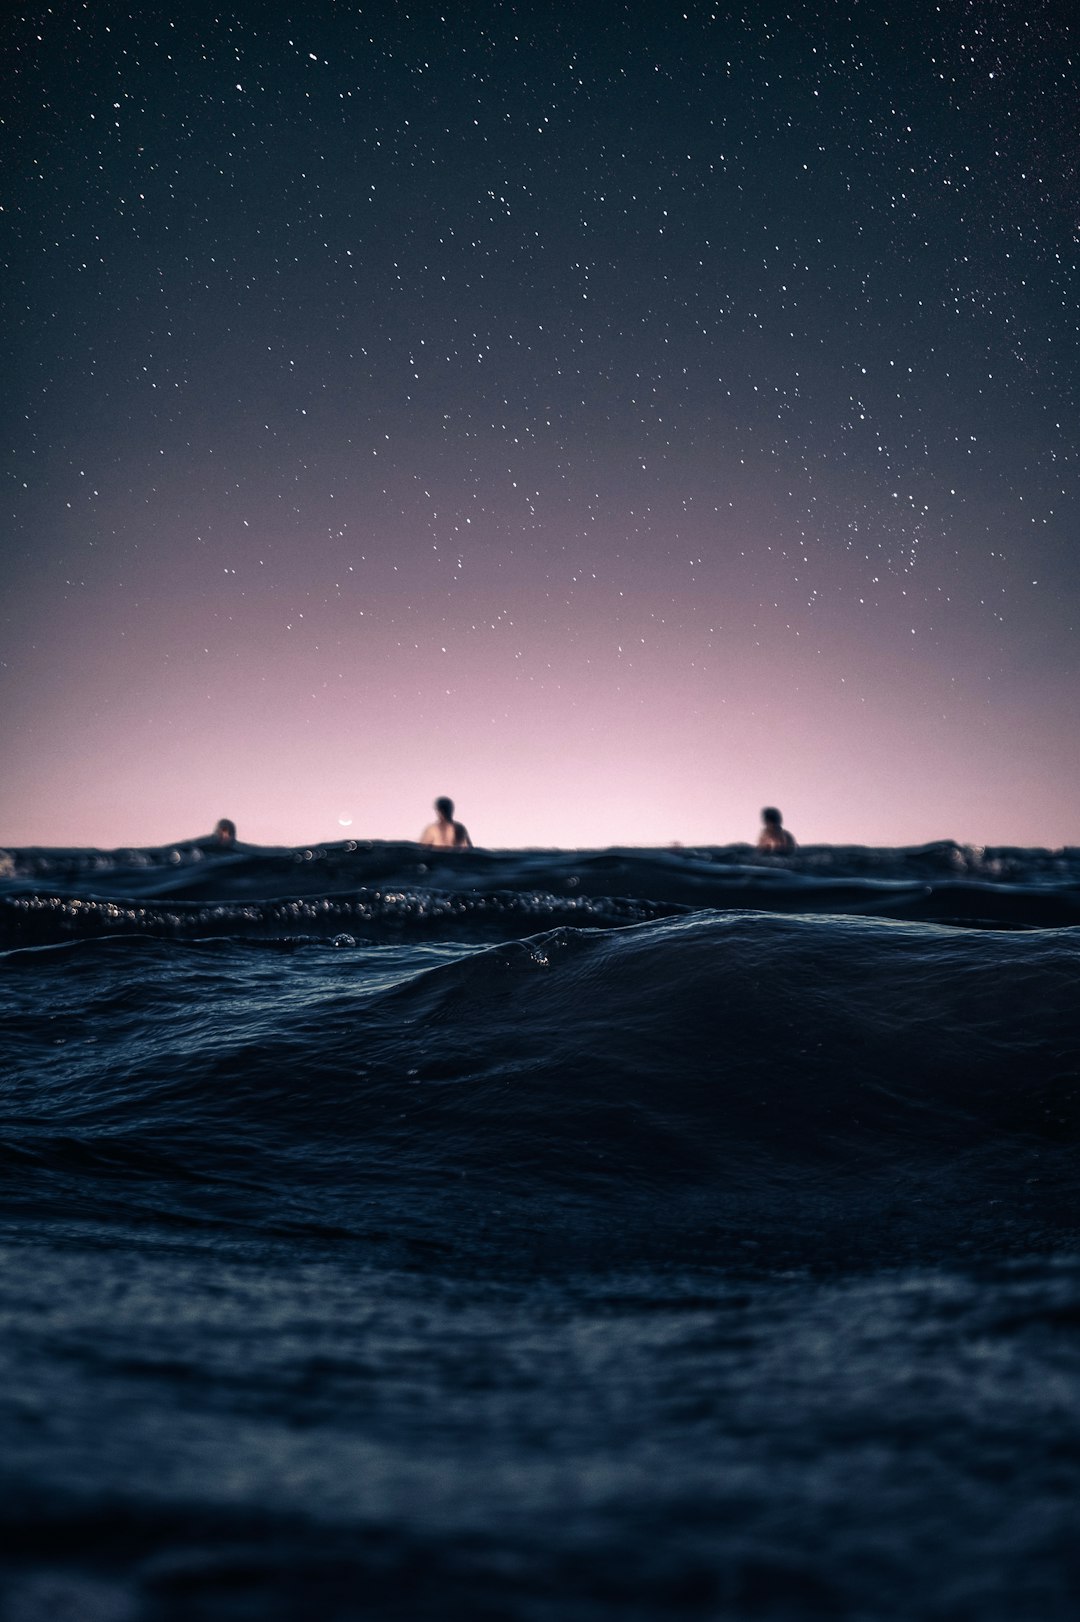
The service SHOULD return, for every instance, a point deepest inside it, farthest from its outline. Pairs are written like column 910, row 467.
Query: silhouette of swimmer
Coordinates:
column 225, row 833
column 774, row 836
column 446, row 831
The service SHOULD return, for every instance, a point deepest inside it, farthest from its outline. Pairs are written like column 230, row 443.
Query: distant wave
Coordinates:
column 371, row 915
column 385, row 890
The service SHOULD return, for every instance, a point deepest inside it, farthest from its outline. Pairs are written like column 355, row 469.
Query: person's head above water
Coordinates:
column 774, row 836
column 446, row 831
column 225, row 832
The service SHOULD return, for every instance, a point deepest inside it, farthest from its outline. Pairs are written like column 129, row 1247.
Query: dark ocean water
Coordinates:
column 587, row 1235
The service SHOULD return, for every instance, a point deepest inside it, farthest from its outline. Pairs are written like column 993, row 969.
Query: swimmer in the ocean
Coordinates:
column 446, row 831
column 774, row 836
column 225, row 833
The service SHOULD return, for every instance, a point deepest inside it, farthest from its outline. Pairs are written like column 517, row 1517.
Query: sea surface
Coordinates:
column 577, row 1235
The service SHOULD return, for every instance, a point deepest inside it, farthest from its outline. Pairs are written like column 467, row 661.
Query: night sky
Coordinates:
column 616, row 417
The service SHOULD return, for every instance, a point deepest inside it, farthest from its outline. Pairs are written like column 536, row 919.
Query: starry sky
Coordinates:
column 614, row 416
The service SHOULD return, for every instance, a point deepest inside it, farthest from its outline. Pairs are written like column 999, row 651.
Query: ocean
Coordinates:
column 587, row 1235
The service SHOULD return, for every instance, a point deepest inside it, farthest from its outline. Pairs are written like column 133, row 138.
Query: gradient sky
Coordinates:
column 613, row 416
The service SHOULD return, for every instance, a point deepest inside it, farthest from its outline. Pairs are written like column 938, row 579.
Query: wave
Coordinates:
column 191, row 862
column 382, row 890
column 729, row 1085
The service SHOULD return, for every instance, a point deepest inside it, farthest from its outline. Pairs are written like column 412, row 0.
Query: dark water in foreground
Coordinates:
column 592, row 1235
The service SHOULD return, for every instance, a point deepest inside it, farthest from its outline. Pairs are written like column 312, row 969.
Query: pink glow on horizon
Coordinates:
column 543, row 736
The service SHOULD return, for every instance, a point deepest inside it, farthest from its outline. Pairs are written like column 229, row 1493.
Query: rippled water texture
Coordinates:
column 538, row 1234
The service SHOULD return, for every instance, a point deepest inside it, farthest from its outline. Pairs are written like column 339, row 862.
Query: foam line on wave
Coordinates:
column 46, row 919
